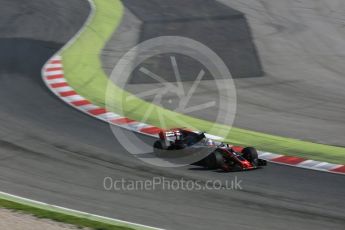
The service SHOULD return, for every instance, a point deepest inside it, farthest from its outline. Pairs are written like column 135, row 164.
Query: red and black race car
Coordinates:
column 222, row 156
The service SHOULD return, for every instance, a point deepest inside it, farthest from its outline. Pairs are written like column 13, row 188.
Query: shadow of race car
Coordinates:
column 222, row 156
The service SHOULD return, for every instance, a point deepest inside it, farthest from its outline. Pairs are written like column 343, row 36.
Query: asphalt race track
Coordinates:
column 52, row 153
column 301, row 49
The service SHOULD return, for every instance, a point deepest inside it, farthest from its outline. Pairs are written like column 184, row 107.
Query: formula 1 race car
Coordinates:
column 222, row 156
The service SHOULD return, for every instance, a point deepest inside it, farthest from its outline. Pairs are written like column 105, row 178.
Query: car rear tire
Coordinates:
column 251, row 155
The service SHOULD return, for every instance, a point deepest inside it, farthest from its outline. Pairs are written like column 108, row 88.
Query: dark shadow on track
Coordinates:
column 221, row 28
column 21, row 55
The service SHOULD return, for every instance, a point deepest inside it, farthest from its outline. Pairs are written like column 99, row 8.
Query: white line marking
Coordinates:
column 76, row 211
column 63, row 89
column 73, row 98
column 58, row 80
column 53, row 73
column 88, row 107
column 53, row 66
column 309, row 163
column 137, row 125
column 56, row 58
column 269, row 156
column 326, row 166
column 109, row 116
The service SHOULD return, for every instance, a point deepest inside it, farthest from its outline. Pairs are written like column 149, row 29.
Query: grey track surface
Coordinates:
column 301, row 45
column 207, row 21
column 52, row 153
